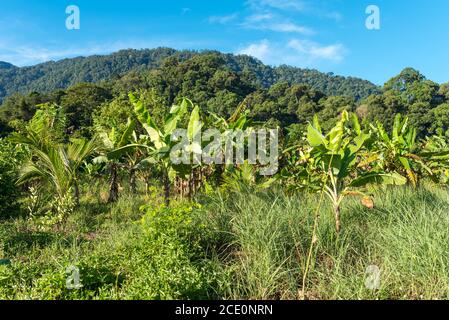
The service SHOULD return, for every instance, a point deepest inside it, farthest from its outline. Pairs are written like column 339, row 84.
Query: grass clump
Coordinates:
column 267, row 237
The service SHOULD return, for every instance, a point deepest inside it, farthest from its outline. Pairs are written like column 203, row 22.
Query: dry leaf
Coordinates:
column 368, row 202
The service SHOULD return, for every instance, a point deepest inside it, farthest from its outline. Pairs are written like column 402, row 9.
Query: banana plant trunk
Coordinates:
column 337, row 218
column 132, row 181
column 113, row 185
column 166, row 184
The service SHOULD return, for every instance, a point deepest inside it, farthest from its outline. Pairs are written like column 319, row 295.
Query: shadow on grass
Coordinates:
column 27, row 240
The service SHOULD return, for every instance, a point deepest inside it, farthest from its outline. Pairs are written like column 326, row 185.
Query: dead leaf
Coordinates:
column 368, row 202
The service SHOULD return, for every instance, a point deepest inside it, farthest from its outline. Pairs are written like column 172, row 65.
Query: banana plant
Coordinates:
column 238, row 121
column 333, row 160
column 159, row 142
column 401, row 152
column 436, row 150
column 113, row 152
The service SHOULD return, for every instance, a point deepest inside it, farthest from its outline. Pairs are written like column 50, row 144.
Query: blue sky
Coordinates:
column 329, row 35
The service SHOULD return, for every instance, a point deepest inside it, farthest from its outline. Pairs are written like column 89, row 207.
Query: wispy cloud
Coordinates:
column 255, row 18
column 290, row 27
column 296, row 52
column 282, row 16
column 268, row 15
column 223, row 19
column 269, row 21
column 296, row 5
column 29, row 55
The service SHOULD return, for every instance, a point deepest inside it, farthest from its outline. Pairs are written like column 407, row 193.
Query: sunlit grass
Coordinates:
column 250, row 245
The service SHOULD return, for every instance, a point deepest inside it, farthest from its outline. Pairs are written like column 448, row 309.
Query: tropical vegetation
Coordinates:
column 87, row 183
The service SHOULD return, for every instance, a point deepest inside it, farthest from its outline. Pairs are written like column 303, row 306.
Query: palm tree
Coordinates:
column 77, row 153
column 54, row 165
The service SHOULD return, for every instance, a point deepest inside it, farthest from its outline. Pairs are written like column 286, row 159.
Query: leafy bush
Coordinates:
column 173, row 265
column 10, row 158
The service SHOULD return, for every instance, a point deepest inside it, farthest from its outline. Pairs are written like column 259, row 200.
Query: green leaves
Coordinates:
column 140, row 110
column 314, row 137
column 125, row 138
column 378, row 178
column 397, row 152
column 159, row 139
column 356, row 124
column 194, row 127
column 176, row 114
column 343, row 160
column 55, row 167
column 336, row 133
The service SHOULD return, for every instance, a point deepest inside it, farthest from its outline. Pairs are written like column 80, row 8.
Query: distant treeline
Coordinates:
column 91, row 90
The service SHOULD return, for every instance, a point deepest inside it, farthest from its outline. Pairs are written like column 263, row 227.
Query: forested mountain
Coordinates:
column 219, row 83
column 6, row 66
column 49, row 76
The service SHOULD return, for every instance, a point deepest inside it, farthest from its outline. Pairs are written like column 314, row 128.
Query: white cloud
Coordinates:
column 260, row 50
column 290, row 27
column 316, row 51
column 28, row 55
column 320, row 9
column 269, row 21
column 301, row 53
column 223, row 19
column 258, row 18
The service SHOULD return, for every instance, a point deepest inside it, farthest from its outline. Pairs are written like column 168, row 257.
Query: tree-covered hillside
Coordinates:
column 219, row 83
column 6, row 66
column 49, row 76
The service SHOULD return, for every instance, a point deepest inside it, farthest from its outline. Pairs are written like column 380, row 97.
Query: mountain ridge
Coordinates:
column 53, row 75
column 6, row 65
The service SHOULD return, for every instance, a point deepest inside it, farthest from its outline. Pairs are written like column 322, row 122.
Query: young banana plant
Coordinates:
column 335, row 156
column 435, row 150
column 237, row 122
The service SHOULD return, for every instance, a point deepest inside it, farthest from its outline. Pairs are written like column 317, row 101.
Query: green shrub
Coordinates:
column 171, row 263
column 10, row 158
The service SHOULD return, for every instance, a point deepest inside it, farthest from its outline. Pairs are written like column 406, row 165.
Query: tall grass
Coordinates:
column 245, row 245
column 267, row 237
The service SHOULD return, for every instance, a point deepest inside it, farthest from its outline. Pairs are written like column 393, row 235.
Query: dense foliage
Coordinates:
column 89, row 170
column 219, row 83
column 50, row 76
column 10, row 159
